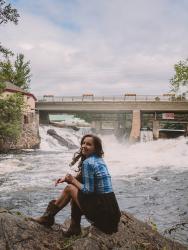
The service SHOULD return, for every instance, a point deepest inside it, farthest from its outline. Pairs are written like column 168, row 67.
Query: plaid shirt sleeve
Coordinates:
column 87, row 177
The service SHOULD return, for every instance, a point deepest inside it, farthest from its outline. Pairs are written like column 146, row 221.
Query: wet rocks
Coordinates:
column 155, row 178
column 20, row 233
column 64, row 142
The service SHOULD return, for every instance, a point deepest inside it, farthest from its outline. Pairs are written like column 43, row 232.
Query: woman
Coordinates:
column 90, row 192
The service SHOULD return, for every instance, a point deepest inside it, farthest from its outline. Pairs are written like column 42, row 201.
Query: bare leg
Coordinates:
column 54, row 206
column 70, row 192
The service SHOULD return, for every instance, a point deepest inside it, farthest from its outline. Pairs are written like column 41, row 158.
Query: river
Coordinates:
column 150, row 179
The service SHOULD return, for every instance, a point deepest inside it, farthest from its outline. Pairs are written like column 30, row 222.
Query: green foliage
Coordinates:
column 152, row 224
column 11, row 109
column 67, row 242
column 6, row 71
column 22, row 72
column 2, row 87
column 181, row 75
column 6, row 52
column 7, row 14
column 17, row 72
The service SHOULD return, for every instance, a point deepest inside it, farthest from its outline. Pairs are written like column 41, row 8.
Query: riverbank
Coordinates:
column 19, row 232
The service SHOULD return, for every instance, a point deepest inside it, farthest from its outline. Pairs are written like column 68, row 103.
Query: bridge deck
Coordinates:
column 123, row 98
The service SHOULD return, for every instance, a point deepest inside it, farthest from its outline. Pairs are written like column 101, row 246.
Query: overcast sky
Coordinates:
column 104, row 47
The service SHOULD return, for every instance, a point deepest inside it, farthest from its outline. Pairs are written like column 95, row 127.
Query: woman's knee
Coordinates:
column 70, row 188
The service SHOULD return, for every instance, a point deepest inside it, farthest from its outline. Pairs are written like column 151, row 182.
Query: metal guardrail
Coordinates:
column 123, row 98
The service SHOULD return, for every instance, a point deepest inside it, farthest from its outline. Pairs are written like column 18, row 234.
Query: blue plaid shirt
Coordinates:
column 95, row 176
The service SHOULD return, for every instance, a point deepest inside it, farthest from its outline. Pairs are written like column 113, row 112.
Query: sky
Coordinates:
column 103, row 47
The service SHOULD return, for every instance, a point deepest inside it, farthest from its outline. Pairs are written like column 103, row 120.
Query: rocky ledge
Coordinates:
column 18, row 232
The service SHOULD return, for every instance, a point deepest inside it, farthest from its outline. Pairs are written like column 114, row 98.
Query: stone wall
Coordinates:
column 29, row 137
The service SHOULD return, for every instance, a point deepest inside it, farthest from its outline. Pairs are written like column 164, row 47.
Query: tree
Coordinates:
column 6, row 71
column 22, row 72
column 2, row 87
column 7, row 14
column 11, row 113
column 17, row 72
column 180, row 78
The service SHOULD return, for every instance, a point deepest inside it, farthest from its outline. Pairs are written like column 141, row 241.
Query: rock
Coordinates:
column 62, row 125
column 64, row 142
column 20, row 233
column 155, row 178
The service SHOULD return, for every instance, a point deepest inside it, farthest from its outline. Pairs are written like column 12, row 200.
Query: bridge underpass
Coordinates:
column 115, row 116
column 117, row 123
column 165, row 124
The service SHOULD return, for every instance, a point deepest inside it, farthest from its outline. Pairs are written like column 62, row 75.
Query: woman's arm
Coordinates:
column 88, row 178
column 69, row 179
column 72, row 180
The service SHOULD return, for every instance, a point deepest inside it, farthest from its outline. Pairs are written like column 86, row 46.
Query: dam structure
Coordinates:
column 125, row 116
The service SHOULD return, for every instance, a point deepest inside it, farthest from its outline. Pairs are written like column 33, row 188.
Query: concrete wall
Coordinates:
column 156, row 129
column 136, row 123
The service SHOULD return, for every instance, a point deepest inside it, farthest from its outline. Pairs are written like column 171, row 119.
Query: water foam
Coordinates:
column 125, row 159
column 129, row 159
column 8, row 165
column 122, row 159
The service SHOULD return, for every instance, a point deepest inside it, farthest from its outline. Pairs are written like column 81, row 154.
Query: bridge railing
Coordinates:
column 122, row 98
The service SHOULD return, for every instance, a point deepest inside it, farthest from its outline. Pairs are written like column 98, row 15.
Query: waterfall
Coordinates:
column 146, row 136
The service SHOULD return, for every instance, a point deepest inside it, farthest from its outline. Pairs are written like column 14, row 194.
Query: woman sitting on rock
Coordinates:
column 90, row 193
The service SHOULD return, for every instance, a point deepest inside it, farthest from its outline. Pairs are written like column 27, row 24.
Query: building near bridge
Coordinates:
column 29, row 98
column 29, row 137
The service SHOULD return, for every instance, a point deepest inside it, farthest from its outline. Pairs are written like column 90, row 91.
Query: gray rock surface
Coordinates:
column 64, row 142
column 18, row 232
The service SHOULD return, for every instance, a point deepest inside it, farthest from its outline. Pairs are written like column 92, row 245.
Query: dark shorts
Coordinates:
column 101, row 209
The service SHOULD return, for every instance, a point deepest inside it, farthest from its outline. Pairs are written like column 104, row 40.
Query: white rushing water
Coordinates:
column 125, row 159
column 150, row 178
column 122, row 159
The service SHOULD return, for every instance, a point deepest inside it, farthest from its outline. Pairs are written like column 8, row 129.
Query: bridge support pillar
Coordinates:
column 96, row 125
column 136, row 123
column 44, row 117
column 156, row 129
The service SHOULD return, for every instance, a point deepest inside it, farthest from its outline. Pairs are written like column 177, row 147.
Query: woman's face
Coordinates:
column 88, row 146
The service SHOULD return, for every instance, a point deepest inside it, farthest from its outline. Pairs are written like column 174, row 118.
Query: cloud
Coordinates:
column 103, row 47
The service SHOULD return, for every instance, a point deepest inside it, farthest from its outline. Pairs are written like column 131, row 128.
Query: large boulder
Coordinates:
column 62, row 141
column 20, row 233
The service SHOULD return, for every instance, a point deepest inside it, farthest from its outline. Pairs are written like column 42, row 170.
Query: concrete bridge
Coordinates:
column 118, row 114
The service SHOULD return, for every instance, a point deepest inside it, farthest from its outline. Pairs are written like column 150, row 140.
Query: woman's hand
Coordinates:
column 69, row 178
column 60, row 180
column 72, row 180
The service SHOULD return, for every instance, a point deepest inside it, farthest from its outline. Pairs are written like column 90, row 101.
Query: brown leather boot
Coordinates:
column 75, row 228
column 47, row 219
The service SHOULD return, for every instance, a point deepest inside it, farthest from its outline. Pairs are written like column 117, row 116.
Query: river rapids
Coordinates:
column 150, row 179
